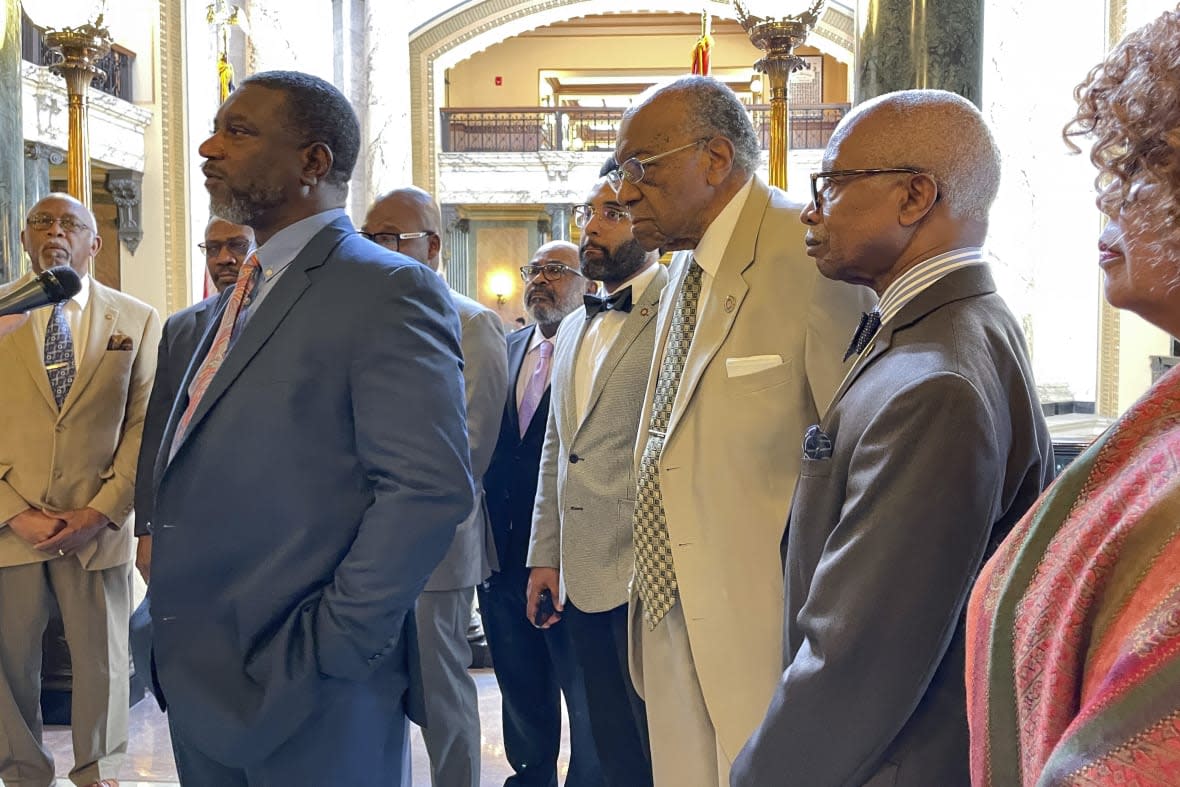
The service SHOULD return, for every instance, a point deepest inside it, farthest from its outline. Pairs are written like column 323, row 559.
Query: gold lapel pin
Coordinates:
column 730, row 302
column 644, row 312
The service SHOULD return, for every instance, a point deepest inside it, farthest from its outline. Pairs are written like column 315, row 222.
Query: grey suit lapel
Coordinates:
column 642, row 312
column 964, row 283
column 258, row 330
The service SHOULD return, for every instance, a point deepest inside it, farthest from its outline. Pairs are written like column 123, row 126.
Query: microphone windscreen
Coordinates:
column 61, row 283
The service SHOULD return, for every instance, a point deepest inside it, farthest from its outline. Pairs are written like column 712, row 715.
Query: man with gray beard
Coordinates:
column 581, row 552
column 534, row 666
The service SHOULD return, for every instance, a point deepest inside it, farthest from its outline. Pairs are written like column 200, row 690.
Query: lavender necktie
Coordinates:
column 535, row 388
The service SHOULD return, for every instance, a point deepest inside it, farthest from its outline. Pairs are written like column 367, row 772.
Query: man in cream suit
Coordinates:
column 749, row 344
column 580, row 550
column 76, row 383
column 408, row 220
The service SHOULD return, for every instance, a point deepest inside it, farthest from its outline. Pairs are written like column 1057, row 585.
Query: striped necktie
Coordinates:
column 247, row 278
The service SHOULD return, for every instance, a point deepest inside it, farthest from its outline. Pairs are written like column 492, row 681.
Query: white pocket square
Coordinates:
column 751, row 364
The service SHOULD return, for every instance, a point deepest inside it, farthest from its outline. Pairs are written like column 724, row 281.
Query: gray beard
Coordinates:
column 245, row 207
column 545, row 314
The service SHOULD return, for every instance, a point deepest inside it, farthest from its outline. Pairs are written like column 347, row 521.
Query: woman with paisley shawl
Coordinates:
column 1073, row 629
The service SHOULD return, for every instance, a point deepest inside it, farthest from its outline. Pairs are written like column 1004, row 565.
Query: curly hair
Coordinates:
column 1130, row 105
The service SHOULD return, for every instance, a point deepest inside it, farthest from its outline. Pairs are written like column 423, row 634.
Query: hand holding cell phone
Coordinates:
column 543, row 609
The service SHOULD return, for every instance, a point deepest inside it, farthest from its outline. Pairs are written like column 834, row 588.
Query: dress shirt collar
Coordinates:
column 711, row 249
column 281, row 249
column 538, row 337
column 638, row 282
column 918, row 278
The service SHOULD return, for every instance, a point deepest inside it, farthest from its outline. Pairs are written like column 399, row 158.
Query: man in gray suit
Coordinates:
column 933, row 448
column 327, row 412
column 408, row 220
column 581, row 548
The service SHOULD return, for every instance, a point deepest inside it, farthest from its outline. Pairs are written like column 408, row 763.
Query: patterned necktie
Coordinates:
column 247, row 278
column 865, row 331
column 59, row 354
column 654, row 572
column 535, row 388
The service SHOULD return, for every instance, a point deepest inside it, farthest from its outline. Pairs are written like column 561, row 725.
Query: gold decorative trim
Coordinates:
column 433, row 40
column 173, row 146
column 1109, row 321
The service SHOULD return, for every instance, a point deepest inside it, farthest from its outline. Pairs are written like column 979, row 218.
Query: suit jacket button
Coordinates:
column 574, row 459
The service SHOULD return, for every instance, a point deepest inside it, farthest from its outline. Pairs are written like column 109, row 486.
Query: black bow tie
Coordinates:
column 869, row 324
column 619, row 301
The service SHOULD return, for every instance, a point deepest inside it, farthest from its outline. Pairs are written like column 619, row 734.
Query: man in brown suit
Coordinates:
column 76, row 382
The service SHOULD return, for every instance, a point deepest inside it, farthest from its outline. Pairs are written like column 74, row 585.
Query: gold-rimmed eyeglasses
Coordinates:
column 632, row 170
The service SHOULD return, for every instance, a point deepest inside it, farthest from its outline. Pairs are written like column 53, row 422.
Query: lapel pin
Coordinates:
column 644, row 312
column 730, row 302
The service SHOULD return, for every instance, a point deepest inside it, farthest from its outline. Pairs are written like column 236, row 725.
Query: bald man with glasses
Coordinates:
column 76, row 378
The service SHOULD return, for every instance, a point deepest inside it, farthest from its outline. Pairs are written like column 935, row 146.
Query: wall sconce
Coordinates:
column 500, row 284
column 756, row 86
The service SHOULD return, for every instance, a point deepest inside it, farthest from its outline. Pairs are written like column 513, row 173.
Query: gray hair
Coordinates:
column 937, row 132
column 716, row 111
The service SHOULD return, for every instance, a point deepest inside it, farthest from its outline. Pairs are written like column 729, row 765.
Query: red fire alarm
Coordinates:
column 499, row 81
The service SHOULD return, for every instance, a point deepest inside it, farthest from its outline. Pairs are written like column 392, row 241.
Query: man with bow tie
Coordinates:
column 581, row 551
column 933, row 447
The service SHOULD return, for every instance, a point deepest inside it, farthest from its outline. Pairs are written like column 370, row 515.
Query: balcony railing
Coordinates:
column 117, row 64
column 530, row 129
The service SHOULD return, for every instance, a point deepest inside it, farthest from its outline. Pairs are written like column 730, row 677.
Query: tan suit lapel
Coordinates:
column 564, row 373
column 728, row 290
column 24, row 346
column 104, row 312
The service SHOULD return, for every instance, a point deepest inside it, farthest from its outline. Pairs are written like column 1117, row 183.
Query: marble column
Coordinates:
column 12, row 165
column 920, row 44
column 559, row 222
column 457, row 252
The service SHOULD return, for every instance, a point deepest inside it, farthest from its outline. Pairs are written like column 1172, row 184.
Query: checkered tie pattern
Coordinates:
column 247, row 278
column 59, row 354
column 654, row 572
column 870, row 323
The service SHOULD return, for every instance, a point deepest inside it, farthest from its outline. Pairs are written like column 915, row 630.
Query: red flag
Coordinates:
column 700, row 52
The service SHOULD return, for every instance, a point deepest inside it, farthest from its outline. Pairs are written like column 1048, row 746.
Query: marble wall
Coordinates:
column 12, row 165
column 920, row 44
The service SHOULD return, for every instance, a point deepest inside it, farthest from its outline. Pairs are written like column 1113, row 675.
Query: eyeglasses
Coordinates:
column 583, row 214
column 553, row 271
column 632, row 169
column 821, row 181
column 393, row 240
column 68, row 224
column 238, row 247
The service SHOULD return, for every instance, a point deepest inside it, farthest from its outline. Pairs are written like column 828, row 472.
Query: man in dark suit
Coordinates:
column 534, row 667
column 225, row 248
column 933, row 448
column 312, row 472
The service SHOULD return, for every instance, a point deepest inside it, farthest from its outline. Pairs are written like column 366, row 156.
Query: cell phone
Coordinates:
column 545, row 608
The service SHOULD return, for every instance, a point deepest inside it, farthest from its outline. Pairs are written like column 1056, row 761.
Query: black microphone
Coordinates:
column 52, row 286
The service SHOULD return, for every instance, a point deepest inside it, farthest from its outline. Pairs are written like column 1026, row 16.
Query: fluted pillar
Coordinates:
column 907, row 44
column 12, row 154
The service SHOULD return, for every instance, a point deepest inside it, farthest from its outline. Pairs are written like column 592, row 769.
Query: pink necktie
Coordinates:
column 247, row 277
column 536, row 386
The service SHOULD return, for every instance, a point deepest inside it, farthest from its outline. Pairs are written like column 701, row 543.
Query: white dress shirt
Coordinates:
column 711, row 248
column 600, row 336
column 76, row 315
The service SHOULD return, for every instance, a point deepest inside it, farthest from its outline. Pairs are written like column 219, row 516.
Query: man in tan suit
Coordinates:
column 76, row 383
column 748, row 352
